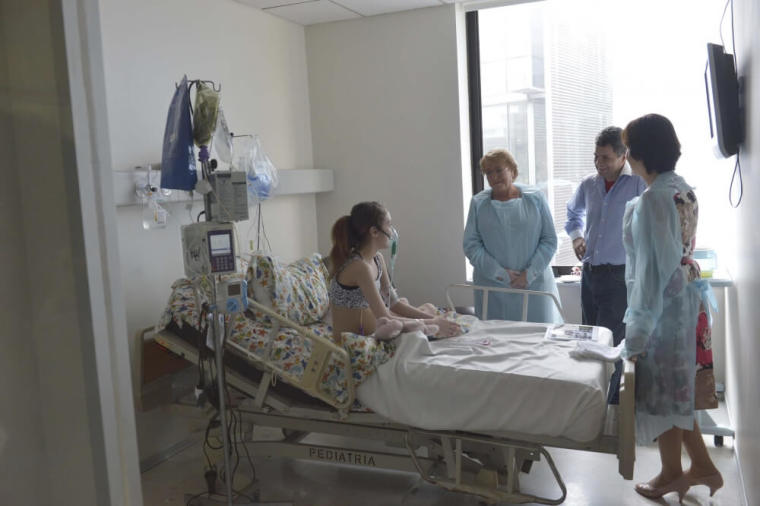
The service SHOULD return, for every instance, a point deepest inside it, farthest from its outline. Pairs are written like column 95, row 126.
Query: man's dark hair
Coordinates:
column 611, row 136
column 653, row 140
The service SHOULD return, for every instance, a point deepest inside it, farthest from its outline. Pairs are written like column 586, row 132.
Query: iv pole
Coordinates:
column 219, row 339
column 217, row 336
column 219, row 330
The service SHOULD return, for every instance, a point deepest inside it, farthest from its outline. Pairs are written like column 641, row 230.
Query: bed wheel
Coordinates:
column 719, row 441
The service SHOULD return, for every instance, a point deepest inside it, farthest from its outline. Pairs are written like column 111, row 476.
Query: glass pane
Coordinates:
column 517, row 138
column 555, row 73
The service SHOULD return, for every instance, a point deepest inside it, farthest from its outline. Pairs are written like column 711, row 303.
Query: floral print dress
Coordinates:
column 688, row 212
column 664, row 292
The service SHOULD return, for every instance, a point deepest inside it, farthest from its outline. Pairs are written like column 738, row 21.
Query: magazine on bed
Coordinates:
column 570, row 332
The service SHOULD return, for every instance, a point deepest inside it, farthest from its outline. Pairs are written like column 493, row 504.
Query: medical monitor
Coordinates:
column 208, row 248
column 722, row 88
column 221, row 254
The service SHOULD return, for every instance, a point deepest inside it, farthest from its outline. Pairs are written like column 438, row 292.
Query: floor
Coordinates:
column 591, row 479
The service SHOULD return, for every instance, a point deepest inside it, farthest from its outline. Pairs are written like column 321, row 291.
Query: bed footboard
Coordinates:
column 487, row 289
column 627, row 421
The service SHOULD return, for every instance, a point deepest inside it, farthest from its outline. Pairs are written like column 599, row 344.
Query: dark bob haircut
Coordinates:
column 611, row 136
column 652, row 140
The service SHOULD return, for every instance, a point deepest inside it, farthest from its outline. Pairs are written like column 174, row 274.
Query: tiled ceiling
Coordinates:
column 311, row 12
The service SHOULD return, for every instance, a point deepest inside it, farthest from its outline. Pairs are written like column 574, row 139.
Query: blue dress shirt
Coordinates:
column 602, row 214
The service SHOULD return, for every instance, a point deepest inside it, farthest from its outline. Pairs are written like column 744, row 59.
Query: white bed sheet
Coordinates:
column 501, row 377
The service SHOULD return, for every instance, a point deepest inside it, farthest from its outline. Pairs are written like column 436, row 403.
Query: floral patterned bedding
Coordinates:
column 297, row 291
column 287, row 349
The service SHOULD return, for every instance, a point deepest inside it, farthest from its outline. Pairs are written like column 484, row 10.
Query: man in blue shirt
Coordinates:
column 595, row 224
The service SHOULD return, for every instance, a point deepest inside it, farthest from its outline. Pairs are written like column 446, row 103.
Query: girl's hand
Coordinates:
column 428, row 308
column 447, row 328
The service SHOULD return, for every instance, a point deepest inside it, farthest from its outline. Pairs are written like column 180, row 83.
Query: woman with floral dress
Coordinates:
column 662, row 277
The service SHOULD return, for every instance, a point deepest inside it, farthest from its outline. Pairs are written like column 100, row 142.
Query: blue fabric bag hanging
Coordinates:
column 177, row 159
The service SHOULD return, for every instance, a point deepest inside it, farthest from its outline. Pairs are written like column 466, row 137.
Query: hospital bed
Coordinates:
column 469, row 458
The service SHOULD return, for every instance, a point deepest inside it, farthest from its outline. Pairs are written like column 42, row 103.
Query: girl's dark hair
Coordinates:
column 653, row 140
column 351, row 231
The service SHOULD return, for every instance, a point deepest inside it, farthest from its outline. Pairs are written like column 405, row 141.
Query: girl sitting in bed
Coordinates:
column 362, row 299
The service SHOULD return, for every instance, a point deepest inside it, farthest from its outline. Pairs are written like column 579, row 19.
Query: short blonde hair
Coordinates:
column 499, row 158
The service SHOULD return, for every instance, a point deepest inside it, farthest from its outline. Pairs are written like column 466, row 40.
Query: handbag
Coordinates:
column 704, row 390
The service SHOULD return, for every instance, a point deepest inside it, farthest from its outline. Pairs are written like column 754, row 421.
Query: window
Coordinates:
column 552, row 74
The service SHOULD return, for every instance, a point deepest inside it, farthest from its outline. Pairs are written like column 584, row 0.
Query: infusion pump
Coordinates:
column 208, row 248
column 232, row 296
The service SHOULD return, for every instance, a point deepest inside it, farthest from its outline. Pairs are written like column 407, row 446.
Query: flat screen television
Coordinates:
column 722, row 89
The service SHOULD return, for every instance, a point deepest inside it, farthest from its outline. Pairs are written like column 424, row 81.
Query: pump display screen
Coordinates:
column 220, row 244
column 221, row 253
column 233, row 290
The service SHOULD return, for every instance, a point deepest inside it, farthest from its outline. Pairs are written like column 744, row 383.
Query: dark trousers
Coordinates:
column 604, row 301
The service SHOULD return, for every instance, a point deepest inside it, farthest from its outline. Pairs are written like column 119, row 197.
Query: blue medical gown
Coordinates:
column 663, row 305
column 517, row 234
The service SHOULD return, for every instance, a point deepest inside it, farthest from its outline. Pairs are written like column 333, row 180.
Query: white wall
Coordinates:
column 385, row 114
column 743, row 345
column 260, row 61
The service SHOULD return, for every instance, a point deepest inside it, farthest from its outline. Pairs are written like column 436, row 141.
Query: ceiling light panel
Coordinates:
column 266, row 4
column 372, row 7
column 311, row 13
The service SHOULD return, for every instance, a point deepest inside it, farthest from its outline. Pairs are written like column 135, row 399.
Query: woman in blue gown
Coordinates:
column 510, row 241
column 664, row 292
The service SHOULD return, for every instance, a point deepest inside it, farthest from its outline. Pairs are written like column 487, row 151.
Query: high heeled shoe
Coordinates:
column 680, row 485
column 712, row 481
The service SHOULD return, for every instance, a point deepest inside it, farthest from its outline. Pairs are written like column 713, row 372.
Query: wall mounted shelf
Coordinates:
column 292, row 182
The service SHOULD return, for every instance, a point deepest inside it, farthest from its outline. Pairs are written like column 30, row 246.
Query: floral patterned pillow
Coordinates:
column 297, row 291
column 260, row 277
column 182, row 306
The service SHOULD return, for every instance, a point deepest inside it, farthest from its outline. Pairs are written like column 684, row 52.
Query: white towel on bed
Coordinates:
column 597, row 351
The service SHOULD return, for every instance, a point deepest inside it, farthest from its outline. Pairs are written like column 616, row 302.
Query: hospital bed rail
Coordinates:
column 322, row 349
column 518, row 291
